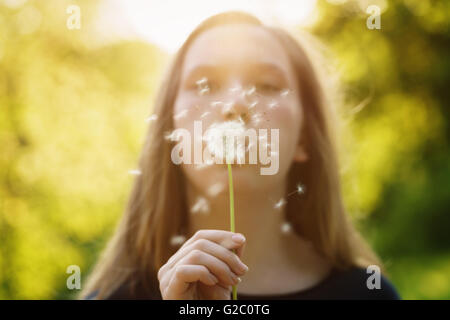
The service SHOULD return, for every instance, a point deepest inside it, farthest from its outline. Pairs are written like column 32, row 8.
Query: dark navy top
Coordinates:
column 350, row 284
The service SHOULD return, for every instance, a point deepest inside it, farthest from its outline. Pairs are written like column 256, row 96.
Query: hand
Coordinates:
column 204, row 268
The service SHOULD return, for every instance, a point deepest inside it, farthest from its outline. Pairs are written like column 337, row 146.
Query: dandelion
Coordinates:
column 218, row 144
column 153, row 117
column 177, row 240
column 280, row 203
column 201, row 206
column 135, row 172
column 286, row 228
column 217, row 138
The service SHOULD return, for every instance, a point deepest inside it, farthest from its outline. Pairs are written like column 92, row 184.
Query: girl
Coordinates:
column 298, row 241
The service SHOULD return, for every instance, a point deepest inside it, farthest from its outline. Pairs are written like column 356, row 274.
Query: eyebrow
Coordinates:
column 263, row 67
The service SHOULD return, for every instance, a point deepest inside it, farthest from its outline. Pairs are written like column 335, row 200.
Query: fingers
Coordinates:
column 184, row 275
column 215, row 266
column 214, row 249
column 220, row 237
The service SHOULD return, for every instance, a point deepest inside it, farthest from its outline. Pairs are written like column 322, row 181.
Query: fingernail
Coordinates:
column 239, row 238
column 239, row 280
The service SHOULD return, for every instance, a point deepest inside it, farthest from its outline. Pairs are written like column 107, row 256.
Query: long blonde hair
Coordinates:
column 157, row 209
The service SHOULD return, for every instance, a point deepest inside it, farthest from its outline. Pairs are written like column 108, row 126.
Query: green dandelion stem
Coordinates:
column 230, row 183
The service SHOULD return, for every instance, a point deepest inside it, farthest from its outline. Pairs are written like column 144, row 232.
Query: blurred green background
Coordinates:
column 72, row 121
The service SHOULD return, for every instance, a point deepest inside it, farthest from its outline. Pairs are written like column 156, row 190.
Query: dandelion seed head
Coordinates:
column 218, row 136
column 177, row 240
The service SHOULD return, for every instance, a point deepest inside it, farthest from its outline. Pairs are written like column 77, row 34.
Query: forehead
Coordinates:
column 234, row 46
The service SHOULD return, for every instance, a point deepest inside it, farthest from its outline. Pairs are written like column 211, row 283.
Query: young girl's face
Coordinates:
column 240, row 72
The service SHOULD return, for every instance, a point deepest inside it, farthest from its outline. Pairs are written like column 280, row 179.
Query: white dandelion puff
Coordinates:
column 153, row 117
column 177, row 240
column 286, row 227
column 218, row 142
column 201, row 206
column 280, row 204
column 135, row 172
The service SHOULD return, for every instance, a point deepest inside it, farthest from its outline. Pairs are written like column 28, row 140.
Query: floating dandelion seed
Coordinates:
column 180, row 114
column 203, row 91
column 235, row 88
column 135, row 172
column 250, row 91
column 273, row 104
column 153, row 117
column 172, row 136
column 177, row 240
column 202, row 82
column 280, row 203
column 286, row 227
column 256, row 118
column 204, row 114
column 299, row 190
column 253, row 104
column 215, row 189
column 216, row 103
column 285, row 92
column 201, row 205
column 202, row 85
